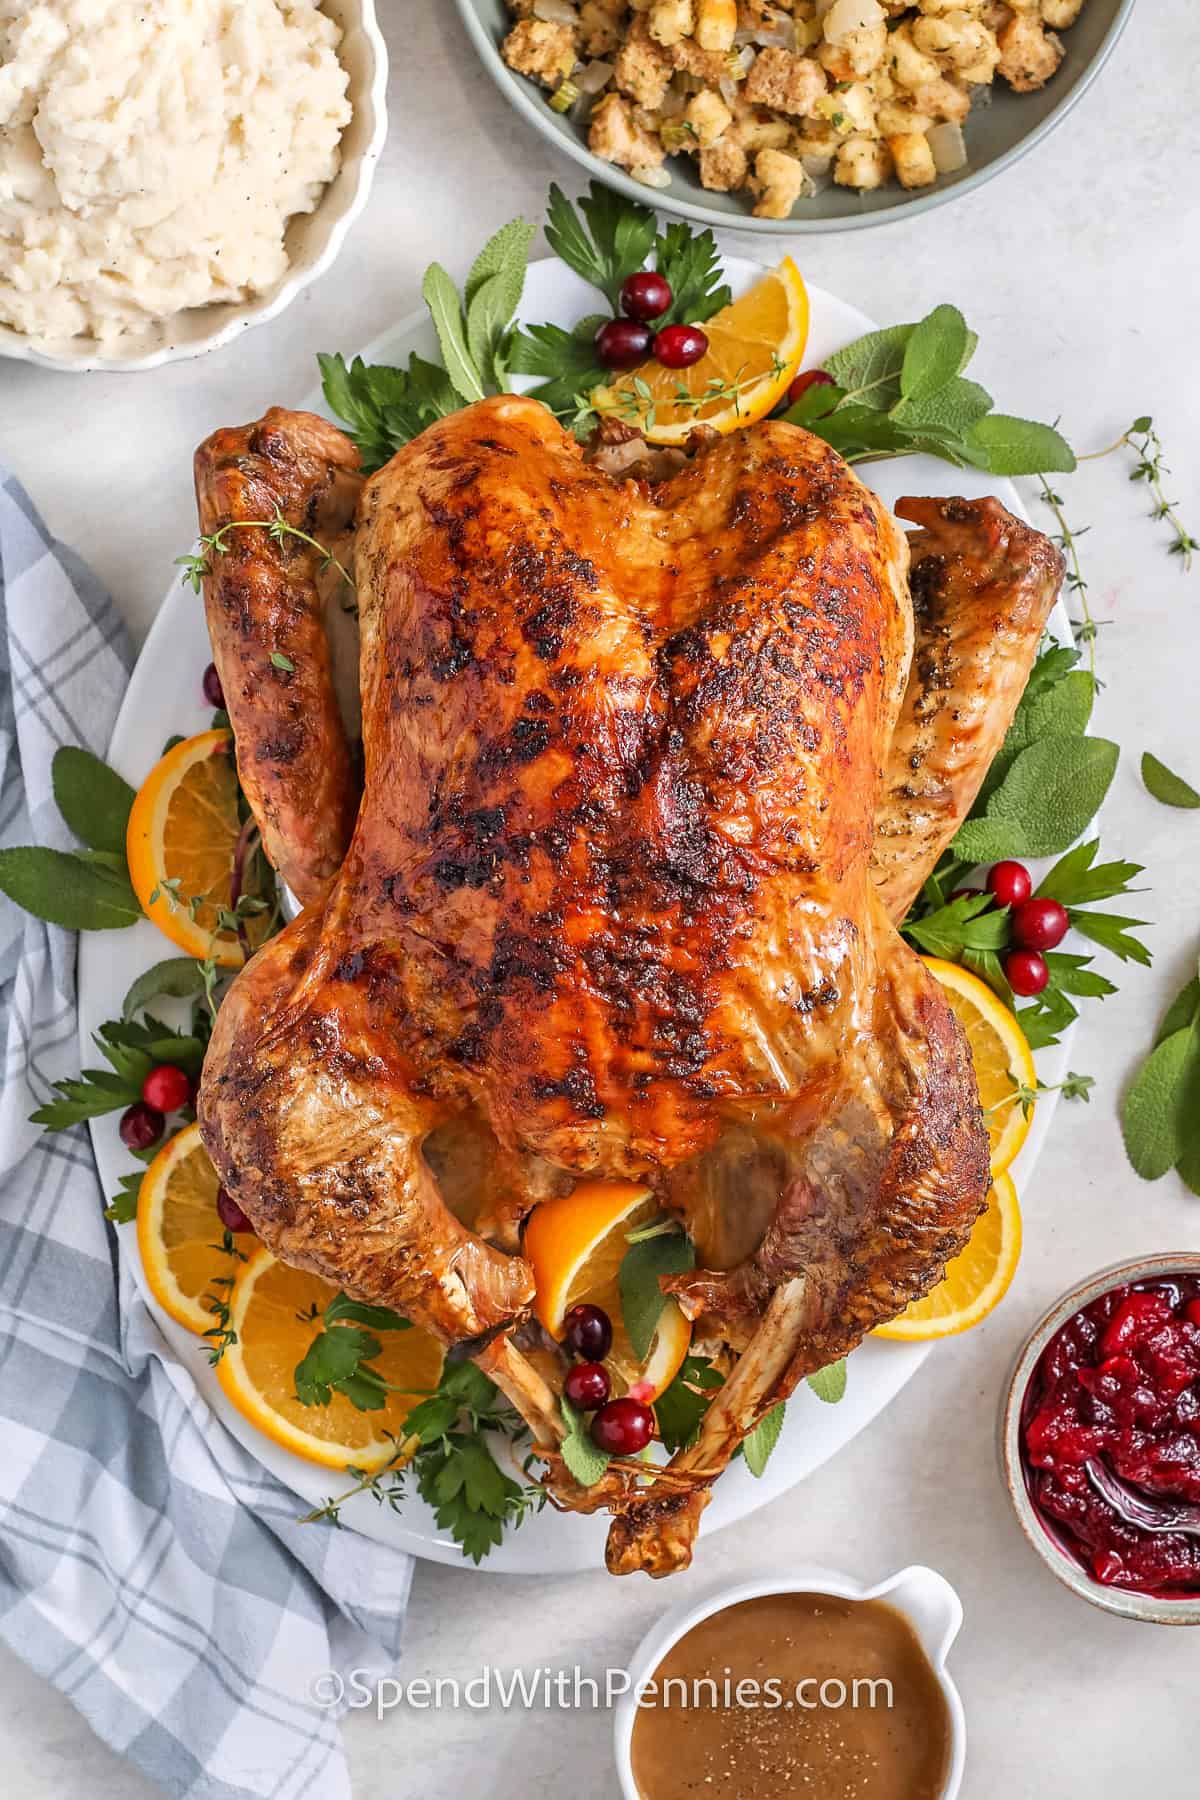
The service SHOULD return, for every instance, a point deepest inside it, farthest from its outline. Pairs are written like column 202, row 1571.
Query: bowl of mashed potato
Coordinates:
column 174, row 171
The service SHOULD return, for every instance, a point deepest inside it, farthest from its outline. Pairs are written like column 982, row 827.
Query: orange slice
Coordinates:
column 575, row 1246
column 272, row 1312
column 180, row 1236
column 754, row 349
column 975, row 1282
column 180, row 843
column 1001, row 1054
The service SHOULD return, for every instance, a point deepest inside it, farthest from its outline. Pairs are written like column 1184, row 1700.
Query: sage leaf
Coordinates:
column 580, row 1451
column 1183, row 1011
column 1153, row 1118
column 934, row 352
column 1060, row 711
column 1007, row 446
column 176, row 978
column 1048, row 797
column 67, row 890
column 642, row 1300
column 757, row 1447
column 1051, row 666
column 954, row 408
column 92, row 798
column 493, row 293
column 869, row 369
column 506, row 254
column 829, row 1384
column 1166, row 786
column 441, row 297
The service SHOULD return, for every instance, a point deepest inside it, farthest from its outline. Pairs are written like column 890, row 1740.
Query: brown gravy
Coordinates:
column 766, row 1748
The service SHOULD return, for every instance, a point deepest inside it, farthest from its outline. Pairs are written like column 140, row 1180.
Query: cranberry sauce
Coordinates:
column 1120, row 1383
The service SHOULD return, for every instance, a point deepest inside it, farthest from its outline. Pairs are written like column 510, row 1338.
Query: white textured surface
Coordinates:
column 1080, row 270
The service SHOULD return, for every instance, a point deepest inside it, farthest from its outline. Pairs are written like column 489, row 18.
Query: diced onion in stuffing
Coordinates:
column 948, row 147
column 769, row 37
column 652, row 177
column 555, row 12
column 593, row 76
column 846, row 16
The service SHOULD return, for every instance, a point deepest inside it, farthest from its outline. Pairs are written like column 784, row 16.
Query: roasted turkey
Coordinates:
column 650, row 770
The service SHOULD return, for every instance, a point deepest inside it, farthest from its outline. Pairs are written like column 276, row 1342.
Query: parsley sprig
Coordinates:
column 444, row 1451
column 132, row 1048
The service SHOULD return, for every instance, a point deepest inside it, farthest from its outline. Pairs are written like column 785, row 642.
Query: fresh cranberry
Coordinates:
column 140, row 1126
column 811, row 378
column 588, row 1332
column 586, row 1386
column 1026, row 972
column 679, row 346
column 1009, row 882
column 166, row 1088
column 1192, row 1312
column 623, row 343
column 623, row 1427
column 645, row 296
column 1039, row 924
column 967, row 893
column 230, row 1213
column 214, row 693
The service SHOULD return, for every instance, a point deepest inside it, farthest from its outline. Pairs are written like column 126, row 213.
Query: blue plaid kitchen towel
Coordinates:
column 149, row 1567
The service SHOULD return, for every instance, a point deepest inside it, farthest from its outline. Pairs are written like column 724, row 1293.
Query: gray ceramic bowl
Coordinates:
column 1147, row 1608
column 997, row 134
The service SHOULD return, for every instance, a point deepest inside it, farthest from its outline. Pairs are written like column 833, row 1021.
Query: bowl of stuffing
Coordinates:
column 793, row 116
column 153, row 217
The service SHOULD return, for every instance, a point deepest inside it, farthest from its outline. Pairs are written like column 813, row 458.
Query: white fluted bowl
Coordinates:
column 313, row 239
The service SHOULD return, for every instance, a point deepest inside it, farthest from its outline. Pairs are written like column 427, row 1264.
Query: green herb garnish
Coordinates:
column 901, row 391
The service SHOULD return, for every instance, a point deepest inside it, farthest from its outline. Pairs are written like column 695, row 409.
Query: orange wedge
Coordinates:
column 180, row 843
column 575, row 1246
column 180, row 1236
column 754, row 349
column 1001, row 1054
column 272, row 1312
column 975, row 1281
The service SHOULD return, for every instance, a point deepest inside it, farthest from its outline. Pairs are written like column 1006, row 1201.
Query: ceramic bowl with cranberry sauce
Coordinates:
column 1108, row 1386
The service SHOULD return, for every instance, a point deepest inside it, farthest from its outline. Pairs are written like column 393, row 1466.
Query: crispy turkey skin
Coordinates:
column 608, row 908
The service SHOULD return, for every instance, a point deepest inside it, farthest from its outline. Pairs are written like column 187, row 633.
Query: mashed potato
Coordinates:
column 151, row 154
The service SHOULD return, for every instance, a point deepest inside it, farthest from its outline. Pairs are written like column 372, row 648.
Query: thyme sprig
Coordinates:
column 1151, row 467
column 221, row 1334
column 1075, row 1087
column 197, row 564
column 637, row 403
column 1067, row 538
